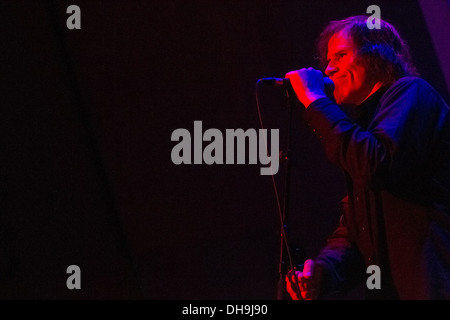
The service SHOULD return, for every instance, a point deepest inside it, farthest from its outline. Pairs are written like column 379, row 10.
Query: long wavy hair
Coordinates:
column 382, row 51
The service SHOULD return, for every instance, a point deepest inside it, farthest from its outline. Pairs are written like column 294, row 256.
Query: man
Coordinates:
column 390, row 133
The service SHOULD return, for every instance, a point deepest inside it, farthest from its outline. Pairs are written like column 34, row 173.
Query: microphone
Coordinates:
column 285, row 82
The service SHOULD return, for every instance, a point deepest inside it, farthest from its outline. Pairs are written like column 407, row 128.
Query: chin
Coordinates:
column 339, row 99
column 343, row 98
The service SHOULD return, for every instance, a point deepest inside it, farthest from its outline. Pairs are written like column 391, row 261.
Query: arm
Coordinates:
column 395, row 145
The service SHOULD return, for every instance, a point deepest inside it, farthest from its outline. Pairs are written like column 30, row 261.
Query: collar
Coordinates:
column 363, row 113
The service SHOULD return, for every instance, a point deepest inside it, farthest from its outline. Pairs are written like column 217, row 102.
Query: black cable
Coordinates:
column 90, row 138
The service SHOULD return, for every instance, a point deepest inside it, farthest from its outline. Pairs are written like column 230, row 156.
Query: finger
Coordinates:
column 293, row 277
column 293, row 292
column 291, row 274
column 308, row 269
column 290, row 74
column 292, row 283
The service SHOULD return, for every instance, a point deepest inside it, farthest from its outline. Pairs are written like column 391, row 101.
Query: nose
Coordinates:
column 331, row 69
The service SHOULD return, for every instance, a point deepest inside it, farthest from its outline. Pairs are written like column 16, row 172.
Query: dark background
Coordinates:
column 85, row 141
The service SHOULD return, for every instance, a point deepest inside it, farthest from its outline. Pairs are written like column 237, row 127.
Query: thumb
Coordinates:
column 308, row 269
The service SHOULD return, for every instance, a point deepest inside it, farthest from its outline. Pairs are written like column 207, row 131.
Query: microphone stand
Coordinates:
column 284, row 241
column 282, row 212
column 286, row 156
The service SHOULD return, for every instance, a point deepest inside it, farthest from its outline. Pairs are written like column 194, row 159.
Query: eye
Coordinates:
column 342, row 54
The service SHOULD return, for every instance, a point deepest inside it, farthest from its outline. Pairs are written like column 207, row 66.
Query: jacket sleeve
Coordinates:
column 397, row 141
column 340, row 258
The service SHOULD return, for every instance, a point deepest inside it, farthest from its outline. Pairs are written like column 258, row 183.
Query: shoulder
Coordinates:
column 409, row 84
column 414, row 89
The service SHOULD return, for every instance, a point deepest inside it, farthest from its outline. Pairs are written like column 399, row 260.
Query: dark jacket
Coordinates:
column 395, row 152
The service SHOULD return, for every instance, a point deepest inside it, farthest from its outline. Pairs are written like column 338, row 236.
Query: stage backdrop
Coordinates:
column 87, row 116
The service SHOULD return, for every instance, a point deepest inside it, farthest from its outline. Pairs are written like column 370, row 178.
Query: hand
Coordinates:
column 308, row 85
column 308, row 281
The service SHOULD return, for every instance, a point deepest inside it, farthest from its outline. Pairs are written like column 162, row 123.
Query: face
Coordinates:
column 353, row 84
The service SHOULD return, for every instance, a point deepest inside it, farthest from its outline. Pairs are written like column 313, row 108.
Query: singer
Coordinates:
column 389, row 131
